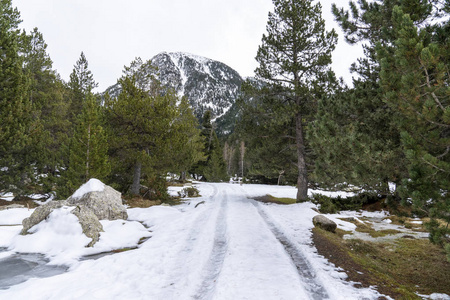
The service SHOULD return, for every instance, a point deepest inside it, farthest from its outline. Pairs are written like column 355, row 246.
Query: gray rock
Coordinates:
column 324, row 223
column 106, row 205
column 40, row 214
column 89, row 209
column 89, row 222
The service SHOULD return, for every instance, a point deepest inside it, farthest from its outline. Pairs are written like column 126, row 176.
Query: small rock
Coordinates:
column 324, row 223
column 408, row 237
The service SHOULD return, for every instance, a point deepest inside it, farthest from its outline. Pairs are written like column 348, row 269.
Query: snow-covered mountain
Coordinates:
column 208, row 84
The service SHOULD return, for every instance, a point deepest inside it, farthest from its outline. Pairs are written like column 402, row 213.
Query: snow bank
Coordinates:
column 93, row 185
column 14, row 216
column 60, row 237
column 256, row 190
column 7, row 235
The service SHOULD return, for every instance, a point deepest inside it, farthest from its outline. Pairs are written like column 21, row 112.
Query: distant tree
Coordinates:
column 213, row 168
column 81, row 82
column 270, row 138
column 88, row 147
column 294, row 56
column 186, row 149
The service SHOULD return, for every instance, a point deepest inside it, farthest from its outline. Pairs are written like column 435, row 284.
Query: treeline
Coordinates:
column 56, row 135
column 301, row 124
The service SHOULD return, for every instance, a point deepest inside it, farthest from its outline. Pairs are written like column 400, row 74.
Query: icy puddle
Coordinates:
column 19, row 267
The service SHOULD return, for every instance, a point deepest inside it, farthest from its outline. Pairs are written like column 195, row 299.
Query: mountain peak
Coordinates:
column 208, row 84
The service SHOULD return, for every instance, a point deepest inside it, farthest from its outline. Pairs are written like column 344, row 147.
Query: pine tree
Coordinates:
column 416, row 83
column 88, row 147
column 355, row 137
column 81, row 81
column 186, row 147
column 213, row 168
column 270, row 139
column 294, row 56
column 47, row 93
column 18, row 128
column 149, row 127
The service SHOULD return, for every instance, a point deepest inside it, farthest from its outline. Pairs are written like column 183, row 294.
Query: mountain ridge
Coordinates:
column 208, row 84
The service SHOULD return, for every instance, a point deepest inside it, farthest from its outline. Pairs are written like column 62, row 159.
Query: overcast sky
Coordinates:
column 112, row 33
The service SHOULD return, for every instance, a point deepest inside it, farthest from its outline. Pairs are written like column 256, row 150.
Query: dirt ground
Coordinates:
column 340, row 258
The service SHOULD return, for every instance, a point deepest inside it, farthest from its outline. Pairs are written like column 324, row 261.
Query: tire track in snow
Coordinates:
column 215, row 261
column 188, row 246
column 304, row 268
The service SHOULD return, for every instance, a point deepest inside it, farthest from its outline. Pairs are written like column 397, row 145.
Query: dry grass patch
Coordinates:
column 400, row 269
column 271, row 199
column 141, row 202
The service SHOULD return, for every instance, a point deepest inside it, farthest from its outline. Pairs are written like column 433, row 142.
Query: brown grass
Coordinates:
column 399, row 269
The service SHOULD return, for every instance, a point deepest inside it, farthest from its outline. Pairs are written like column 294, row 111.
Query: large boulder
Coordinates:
column 88, row 220
column 92, row 202
column 324, row 223
column 103, row 200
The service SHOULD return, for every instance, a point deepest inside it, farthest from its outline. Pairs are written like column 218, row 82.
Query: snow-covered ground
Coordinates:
column 229, row 247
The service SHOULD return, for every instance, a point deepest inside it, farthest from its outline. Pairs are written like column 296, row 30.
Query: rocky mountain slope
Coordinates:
column 208, row 84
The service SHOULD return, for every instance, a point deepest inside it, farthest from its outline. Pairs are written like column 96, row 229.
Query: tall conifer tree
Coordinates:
column 152, row 131
column 81, row 82
column 88, row 147
column 356, row 138
column 19, row 129
column 416, row 83
column 47, row 93
column 294, row 56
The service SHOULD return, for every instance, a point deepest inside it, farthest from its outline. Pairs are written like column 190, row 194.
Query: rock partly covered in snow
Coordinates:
column 92, row 202
column 40, row 214
column 103, row 200
column 89, row 223
column 324, row 223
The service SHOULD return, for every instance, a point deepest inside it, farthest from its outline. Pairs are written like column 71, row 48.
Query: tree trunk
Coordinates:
column 280, row 174
column 86, row 175
column 183, row 177
column 135, row 187
column 242, row 148
column 302, row 181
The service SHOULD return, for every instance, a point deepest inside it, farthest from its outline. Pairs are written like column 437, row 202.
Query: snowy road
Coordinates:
column 230, row 247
